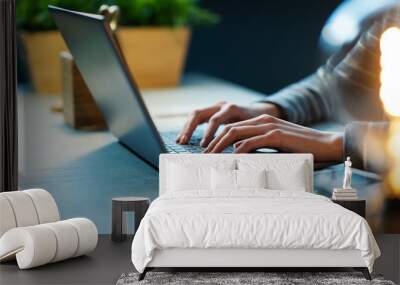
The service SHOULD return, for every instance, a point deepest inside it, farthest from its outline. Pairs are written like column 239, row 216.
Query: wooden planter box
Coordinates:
column 79, row 108
column 156, row 56
column 43, row 52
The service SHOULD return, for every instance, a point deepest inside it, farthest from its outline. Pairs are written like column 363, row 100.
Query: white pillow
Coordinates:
column 226, row 179
column 251, row 178
column 223, row 179
column 282, row 174
column 185, row 175
column 290, row 177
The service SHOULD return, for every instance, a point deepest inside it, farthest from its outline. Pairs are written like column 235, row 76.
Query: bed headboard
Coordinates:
column 210, row 158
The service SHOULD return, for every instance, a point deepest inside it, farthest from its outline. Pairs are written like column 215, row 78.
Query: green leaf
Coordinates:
column 32, row 15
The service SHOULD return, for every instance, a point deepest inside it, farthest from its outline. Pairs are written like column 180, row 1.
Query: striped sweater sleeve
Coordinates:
column 311, row 100
column 352, row 70
column 304, row 102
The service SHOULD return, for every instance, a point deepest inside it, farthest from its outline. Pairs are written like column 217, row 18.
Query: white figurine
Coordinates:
column 347, row 174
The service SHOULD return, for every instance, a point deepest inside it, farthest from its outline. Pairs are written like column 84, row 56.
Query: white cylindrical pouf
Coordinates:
column 37, row 245
column 7, row 218
column 67, row 240
column 23, row 208
column 31, row 232
column 45, row 205
column 33, row 246
column 87, row 234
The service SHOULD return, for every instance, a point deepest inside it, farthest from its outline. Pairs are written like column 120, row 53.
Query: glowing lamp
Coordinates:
column 390, row 73
column 390, row 96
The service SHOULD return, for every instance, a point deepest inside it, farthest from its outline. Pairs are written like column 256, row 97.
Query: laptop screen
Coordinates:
column 95, row 52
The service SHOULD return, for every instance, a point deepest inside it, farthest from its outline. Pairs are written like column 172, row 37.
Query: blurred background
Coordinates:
column 263, row 45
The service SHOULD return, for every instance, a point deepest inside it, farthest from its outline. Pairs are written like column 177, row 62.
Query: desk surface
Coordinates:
column 85, row 170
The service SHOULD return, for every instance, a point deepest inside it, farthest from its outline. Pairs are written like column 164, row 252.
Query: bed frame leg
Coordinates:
column 364, row 271
column 143, row 274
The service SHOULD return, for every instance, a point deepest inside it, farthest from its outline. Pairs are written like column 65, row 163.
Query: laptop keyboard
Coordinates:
column 192, row 147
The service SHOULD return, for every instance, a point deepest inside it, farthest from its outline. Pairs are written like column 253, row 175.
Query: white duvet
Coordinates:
column 250, row 219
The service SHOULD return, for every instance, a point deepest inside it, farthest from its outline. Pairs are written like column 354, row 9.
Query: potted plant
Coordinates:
column 42, row 42
column 153, row 36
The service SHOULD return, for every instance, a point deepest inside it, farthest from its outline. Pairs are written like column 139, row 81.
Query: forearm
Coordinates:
column 335, row 150
column 264, row 108
column 305, row 102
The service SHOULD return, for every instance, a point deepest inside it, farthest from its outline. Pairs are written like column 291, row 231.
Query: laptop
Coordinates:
column 96, row 53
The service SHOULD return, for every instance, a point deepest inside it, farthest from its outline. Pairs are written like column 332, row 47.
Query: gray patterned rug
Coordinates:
column 269, row 278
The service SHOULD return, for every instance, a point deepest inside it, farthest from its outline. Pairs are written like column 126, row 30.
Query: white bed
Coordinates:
column 248, row 227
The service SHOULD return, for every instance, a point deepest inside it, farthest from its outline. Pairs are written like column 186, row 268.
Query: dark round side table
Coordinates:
column 120, row 206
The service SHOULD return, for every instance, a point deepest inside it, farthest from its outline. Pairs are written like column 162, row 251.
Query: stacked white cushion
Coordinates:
column 31, row 232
